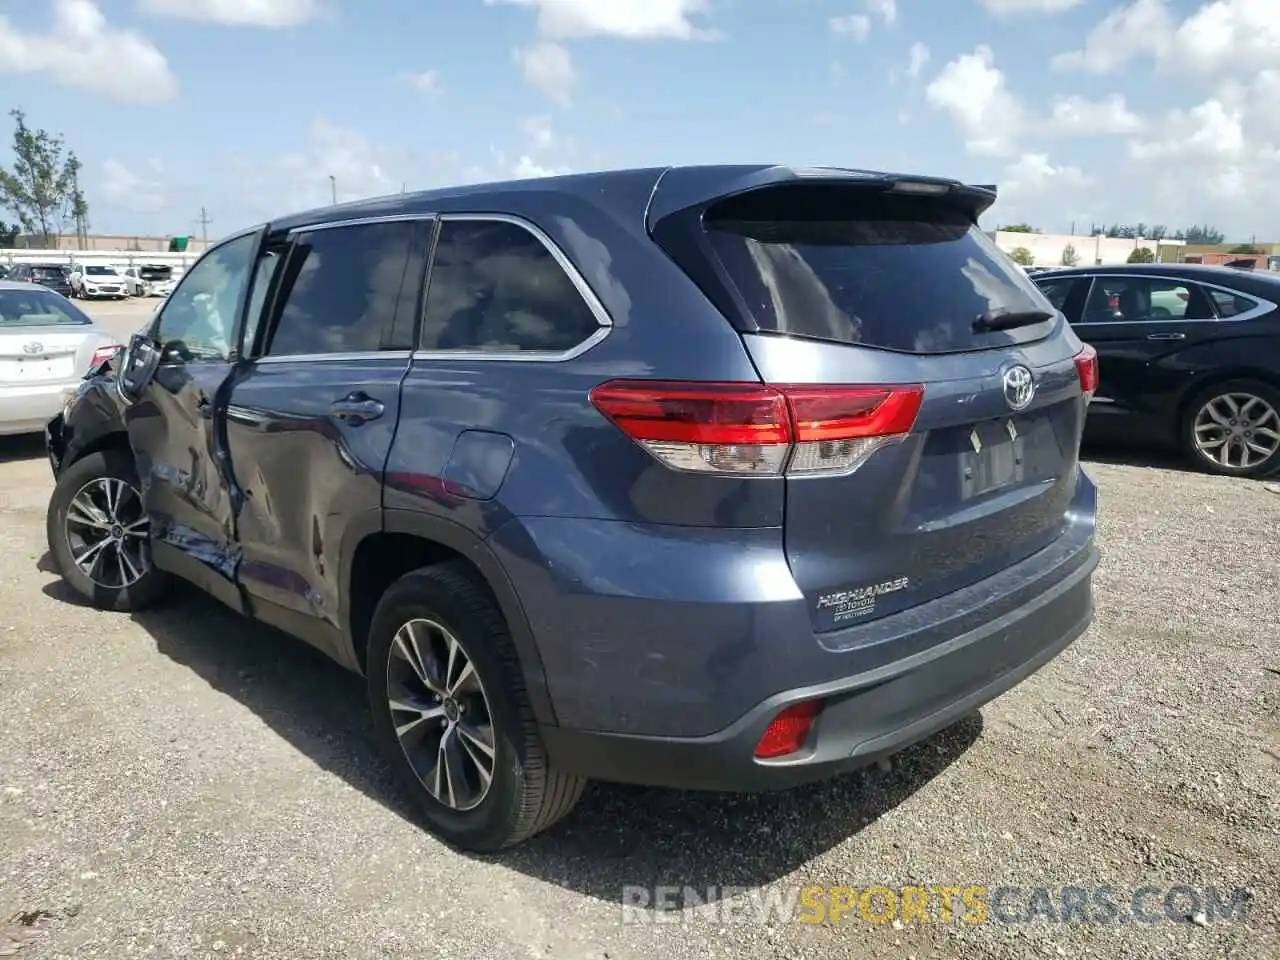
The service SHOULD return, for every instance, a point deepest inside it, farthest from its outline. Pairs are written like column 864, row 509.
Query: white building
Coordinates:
column 1048, row 248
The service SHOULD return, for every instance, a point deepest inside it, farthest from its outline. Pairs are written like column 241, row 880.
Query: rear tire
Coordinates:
column 415, row 628
column 1232, row 428
column 98, row 534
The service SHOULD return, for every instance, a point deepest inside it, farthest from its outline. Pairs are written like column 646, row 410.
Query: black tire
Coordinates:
column 1257, row 388
column 106, row 464
column 525, row 795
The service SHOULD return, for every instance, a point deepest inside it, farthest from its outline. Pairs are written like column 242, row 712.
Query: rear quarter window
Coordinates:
column 908, row 274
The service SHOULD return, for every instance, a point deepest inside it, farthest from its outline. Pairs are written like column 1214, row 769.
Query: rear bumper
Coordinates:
column 864, row 717
column 28, row 409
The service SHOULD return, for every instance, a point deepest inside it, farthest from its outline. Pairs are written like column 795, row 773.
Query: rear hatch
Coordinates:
column 937, row 398
column 43, row 339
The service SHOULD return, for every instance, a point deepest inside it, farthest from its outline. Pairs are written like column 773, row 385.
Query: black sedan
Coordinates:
column 1188, row 355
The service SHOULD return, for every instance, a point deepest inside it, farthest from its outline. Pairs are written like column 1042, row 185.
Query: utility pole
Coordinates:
column 204, row 222
column 333, row 188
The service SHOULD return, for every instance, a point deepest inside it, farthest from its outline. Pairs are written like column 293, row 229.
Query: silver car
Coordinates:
column 47, row 345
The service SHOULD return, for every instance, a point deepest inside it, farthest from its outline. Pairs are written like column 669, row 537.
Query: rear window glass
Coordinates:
column 155, row 273
column 35, row 308
column 908, row 274
column 48, row 273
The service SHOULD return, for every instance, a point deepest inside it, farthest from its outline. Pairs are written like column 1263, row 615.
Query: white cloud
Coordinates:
column 1228, row 36
column 548, row 67
column 1075, row 116
column 973, row 90
column 82, row 50
column 275, row 14
column 424, row 81
column 856, row 25
column 628, row 19
column 1209, row 131
column 886, row 10
column 1221, row 37
column 919, row 59
column 137, row 192
column 1142, row 27
column 1032, row 174
column 538, row 131
column 1004, row 8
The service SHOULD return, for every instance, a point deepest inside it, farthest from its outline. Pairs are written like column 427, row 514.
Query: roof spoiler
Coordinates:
column 692, row 189
column 986, row 186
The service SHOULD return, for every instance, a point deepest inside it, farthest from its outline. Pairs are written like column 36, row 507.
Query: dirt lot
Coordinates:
column 183, row 784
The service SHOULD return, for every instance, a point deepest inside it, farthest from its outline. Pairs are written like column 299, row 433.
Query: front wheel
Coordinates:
column 452, row 713
column 1233, row 429
column 99, row 533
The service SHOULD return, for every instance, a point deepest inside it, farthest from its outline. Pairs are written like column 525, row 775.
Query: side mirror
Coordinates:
column 141, row 358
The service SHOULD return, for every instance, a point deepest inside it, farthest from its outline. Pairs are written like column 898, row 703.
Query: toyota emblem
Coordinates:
column 1019, row 387
column 33, row 348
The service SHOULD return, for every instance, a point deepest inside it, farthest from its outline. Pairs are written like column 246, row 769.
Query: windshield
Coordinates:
column 156, row 273
column 101, row 272
column 37, row 308
column 47, row 273
column 899, row 273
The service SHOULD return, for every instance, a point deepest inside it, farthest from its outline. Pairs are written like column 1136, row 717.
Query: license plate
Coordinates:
column 36, row 371
column 998, row 460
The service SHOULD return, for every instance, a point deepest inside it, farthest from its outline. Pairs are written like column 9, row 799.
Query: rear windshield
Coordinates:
column 909, row 274
column 48, row 273
column 155, row 273
column 37, row 308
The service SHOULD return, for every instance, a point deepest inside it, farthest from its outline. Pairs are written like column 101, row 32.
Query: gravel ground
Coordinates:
column 186, row 784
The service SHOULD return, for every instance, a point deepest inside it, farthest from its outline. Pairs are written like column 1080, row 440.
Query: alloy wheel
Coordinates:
column 441, row 714
column 1238, row 431
column 107, row 532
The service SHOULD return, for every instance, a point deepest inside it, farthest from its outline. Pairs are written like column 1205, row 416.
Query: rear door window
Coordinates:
column 1145, row 300
column 902, row 273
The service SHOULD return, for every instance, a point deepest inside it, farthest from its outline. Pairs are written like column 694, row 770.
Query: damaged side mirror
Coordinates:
column 141, row 358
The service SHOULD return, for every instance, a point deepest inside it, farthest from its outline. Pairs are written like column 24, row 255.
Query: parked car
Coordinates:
column 695, row 477
column 46, row 346
column 91, row 281
column 149, row 280
column 54, row 276
column 1188, row 355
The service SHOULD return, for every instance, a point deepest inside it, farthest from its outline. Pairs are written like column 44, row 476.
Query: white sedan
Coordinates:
column 47, row 345
column 93, row 280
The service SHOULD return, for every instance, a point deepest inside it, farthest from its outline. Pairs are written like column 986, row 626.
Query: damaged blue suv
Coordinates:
column 723, row 478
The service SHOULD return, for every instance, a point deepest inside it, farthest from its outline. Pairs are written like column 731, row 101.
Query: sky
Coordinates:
column 1081, row 111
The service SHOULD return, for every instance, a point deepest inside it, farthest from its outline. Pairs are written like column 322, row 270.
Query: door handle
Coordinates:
column 1166, row 336
column 357, row 408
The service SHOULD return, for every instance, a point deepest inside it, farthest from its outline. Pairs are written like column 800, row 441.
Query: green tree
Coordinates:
column 1142, row 255
column 1018, row 228
column 1205, row 234
column 1069, row 256
column 43, row 188
column 1246, row 248
column 1022, row 256
column 9, row 234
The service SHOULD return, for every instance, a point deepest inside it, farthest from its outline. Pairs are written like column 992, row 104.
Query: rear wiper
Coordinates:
column 1008, row 319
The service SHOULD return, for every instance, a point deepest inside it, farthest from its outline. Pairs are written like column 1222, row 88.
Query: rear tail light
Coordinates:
column 103, row 354
column 788, row 731
column 754, row 429
column 1087, row 370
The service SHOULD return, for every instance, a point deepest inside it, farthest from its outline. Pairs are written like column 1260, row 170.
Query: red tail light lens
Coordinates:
column 744, row 428
column 1087, row 370
column 103, row 354
column 788, row 731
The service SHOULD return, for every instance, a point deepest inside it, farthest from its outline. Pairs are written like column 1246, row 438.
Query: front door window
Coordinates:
column 198, row 320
